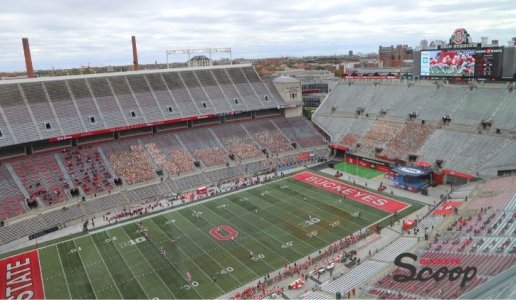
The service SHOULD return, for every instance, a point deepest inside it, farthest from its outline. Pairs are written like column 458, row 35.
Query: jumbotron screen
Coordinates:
column 478, row 63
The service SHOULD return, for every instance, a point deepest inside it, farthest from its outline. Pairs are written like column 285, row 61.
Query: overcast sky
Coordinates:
column 70, row 33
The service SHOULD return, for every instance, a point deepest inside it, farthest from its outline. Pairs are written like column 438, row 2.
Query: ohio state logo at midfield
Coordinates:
column 224, row 232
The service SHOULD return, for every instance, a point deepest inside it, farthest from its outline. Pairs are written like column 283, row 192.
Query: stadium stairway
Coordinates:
column 281, row 131
column 106, row 163
column 17, row 180
column 66, row 176
column 218, row 141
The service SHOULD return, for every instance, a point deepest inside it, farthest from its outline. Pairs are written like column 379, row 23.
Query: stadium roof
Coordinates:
column 112, row 74
column 286, row 79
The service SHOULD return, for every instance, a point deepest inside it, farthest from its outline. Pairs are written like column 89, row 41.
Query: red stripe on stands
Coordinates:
column 351, row 192
column 20, row 277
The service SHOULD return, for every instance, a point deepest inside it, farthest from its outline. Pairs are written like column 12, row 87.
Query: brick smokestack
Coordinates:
column 28, row 58
column 135, row 55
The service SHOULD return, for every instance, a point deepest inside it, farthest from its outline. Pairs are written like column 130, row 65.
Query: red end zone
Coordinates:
column 351, row 192
column 20, row 277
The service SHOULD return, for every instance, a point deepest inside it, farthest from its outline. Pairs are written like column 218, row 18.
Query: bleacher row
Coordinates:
column 386, row 108
column 464, row 151
column 87, row 209
column 485, row 241
column 44, row 108
column 431, row 103
column 49, row 177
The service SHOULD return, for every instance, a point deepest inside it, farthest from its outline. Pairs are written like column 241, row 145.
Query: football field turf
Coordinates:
column 293, row 220
column 357, row 170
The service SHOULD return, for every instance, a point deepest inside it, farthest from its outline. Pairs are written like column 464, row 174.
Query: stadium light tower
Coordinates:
column 201, row 50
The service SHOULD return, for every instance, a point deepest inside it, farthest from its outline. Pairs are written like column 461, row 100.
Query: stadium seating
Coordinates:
column 268, row 136
column 108, row 105
column 86, row 105
column 299, row 131
column 129, row 161
column 11, row 199
column 124, row 96
column 145, row 99
column 237, row 141
column 204, row 146
column 355, row 277
column 378, row 135
column 408, row 141
column 401, row 245
column 41, row 177
column 86, row 169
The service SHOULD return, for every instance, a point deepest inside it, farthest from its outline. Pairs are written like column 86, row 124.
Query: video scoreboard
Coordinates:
column 464, row 62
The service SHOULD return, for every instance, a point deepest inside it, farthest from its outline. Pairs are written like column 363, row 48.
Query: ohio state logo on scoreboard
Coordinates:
column 459, row 37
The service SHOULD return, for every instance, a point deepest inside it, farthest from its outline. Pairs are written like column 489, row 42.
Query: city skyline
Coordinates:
column 99, row 33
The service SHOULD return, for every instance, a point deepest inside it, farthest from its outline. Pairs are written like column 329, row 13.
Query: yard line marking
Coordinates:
column 109, row 271
column 242, row 244
column 197, row 246
column 207, row 276
column 41, row 274
column 207, row 236
column 114, row 245
column 153, row 270
column 87, row 275
column 64, row 274
column 260, row 230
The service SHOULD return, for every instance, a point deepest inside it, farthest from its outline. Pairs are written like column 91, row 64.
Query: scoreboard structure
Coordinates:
column 465, row 62
column 462, row 59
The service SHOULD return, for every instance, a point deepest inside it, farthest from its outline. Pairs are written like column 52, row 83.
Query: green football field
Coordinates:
column 357, row 170
column 119, row 262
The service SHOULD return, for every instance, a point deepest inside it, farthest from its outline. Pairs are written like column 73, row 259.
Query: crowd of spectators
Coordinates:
column 86, row 169
column 273, row 140
column 380, row 133
column 166, row 162
column 349, row 139
column 411, row 137
column 211, row 156
column 244, row 148
column 132, row 165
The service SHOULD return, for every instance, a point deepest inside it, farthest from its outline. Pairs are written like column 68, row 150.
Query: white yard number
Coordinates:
column 170, row 221
column 258, row 257
column 312, row 234
column 133, row 242
column 137, row 240
column 335, row 224
column 111, row 239
column 187, row 287
column 226, row 270
column 196, row 213
column 222, row 206
column 312, row 221
column 75, row 250
column 242, row 199
column 287, row 244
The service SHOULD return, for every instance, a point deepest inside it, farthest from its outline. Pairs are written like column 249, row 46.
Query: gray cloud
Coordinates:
column 70, row 33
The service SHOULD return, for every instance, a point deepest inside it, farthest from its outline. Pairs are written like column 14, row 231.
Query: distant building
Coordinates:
column 393, row 57
column 350, row 53
column 199, row 61
column 423, row 44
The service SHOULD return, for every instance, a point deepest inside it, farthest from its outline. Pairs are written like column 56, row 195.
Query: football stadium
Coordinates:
column 209, row 182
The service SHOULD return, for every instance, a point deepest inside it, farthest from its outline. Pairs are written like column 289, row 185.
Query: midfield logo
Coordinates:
column 427, row 273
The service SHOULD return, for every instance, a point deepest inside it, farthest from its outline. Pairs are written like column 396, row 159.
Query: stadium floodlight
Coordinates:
column 200, row 50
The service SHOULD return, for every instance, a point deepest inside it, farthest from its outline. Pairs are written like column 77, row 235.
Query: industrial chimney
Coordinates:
column 135, row 55
column 28, row 58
